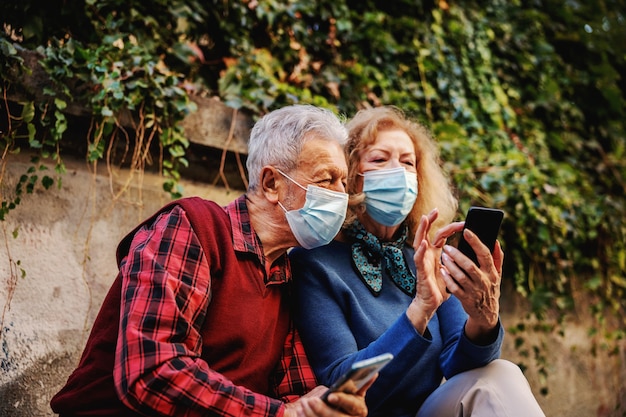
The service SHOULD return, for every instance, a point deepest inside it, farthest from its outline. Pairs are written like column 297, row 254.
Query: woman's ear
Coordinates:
column 269, row 183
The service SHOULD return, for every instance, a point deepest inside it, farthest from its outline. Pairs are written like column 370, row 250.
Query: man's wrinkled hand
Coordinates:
column 340, row 404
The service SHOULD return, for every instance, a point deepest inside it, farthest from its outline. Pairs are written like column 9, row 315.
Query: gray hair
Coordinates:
column 277, row 138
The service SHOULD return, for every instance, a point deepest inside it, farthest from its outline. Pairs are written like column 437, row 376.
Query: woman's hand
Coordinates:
column 340, row 404
column 431, row 287
column 477, row 287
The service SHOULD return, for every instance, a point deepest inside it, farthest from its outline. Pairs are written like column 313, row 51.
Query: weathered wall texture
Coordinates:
column 65, row 243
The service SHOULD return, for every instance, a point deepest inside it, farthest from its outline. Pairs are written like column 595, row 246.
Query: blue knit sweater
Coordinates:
column 342, row 322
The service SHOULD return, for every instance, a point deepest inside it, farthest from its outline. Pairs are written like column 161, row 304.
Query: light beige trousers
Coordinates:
column 498, row 389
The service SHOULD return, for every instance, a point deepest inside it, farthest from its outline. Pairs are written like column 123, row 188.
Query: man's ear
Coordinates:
column 269, row 183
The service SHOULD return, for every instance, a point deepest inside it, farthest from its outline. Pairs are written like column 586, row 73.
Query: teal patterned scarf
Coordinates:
column 370, row 257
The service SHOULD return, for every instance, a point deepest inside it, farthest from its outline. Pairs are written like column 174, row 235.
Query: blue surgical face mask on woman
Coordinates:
column 321, row 217
column 389, row 194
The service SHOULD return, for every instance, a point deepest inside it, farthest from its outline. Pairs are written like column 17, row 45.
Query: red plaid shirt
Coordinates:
column 165, row 297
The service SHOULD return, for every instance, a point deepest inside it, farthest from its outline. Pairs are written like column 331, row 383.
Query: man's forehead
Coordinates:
column 322, row 169
column 322, row 163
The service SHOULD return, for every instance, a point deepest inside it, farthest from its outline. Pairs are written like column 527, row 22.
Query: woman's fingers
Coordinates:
column 445, row 232
column 422, row 231
column 498, row 257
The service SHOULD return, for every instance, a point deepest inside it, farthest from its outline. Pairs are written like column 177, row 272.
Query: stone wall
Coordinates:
column 65, row 244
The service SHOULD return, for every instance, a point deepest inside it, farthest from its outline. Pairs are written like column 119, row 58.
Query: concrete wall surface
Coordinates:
column 64, row 241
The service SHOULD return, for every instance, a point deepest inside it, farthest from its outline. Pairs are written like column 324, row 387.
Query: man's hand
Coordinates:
column 340, row 404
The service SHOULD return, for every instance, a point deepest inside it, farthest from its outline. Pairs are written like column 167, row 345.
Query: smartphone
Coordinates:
column 485, row 223
column 359, row 374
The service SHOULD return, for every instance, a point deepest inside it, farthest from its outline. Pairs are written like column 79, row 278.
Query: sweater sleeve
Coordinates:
column 459, row 353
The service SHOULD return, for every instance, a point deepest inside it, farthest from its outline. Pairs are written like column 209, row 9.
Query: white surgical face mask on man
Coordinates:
column 389, row 194
column 321, row 217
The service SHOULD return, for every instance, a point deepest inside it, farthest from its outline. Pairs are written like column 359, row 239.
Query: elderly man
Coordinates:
column 197, row 322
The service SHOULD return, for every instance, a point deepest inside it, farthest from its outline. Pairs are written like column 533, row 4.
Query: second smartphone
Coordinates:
column 485, row 223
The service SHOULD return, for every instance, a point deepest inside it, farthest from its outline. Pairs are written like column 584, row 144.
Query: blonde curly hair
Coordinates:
column 434, row 188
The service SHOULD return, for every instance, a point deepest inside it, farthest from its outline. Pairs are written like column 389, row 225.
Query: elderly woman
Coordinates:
column 389, row 283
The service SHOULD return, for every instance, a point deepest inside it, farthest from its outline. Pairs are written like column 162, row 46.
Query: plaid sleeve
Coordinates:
column 165, row 294
column 294, row 376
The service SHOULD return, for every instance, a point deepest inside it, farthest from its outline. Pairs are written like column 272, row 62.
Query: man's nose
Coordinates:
column 339, row 187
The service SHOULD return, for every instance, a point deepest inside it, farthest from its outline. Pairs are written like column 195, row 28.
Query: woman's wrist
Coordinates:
column 481, row 333
column 418, row 316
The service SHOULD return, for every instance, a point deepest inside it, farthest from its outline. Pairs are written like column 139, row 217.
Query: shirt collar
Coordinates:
column 245, row 240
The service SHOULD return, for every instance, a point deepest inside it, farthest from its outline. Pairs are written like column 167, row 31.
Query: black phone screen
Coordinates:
column 485, row 223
